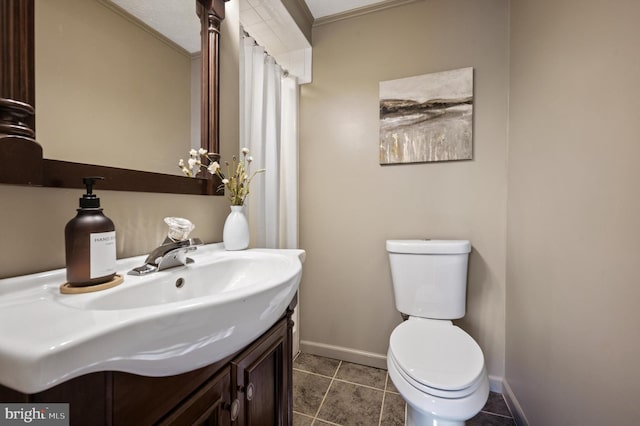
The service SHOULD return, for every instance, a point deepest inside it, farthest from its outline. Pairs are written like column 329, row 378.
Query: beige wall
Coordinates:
column 32, row 220
column 350, row 204
column 96, row 69
column 572, row 346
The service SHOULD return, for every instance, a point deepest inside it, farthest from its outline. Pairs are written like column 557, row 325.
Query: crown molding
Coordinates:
column 301, row 14
column 354, row 13
column 304, row 9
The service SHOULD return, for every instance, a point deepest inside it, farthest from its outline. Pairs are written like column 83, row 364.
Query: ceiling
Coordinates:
column 164, row 17
column 175, row 20
column 324, row 8
column 268, row 21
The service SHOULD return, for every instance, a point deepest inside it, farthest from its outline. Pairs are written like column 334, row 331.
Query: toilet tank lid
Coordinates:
column 427, row 246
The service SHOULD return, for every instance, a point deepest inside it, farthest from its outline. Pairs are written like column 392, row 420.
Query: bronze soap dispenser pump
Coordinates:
column 90, row 242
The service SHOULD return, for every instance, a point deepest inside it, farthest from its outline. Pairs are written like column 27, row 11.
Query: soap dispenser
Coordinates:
column 90, row 242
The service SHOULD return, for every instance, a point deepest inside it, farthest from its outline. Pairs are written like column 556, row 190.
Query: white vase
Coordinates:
column 235, row 234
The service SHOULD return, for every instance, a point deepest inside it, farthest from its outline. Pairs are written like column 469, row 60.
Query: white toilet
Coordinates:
column 437, row 368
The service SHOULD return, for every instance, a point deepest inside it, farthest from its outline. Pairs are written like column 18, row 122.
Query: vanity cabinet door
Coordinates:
column 260, row 376
column 140, row 400
column 210, row 406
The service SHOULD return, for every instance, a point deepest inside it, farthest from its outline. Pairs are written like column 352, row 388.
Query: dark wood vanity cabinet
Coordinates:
column 251, row 387
column 210, row 405
column 261, row 378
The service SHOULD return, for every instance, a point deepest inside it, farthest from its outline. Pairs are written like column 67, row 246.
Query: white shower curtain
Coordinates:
column 269, row 119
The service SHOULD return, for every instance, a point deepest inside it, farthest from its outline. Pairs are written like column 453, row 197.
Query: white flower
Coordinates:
column 236, row 186
column 213, row 167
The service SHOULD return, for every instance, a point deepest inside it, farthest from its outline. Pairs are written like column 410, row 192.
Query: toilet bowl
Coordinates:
column 437, row 367
column 439, row 371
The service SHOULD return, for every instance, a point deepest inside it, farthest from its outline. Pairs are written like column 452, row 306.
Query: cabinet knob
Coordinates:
column 235, row 409
column 249, row 392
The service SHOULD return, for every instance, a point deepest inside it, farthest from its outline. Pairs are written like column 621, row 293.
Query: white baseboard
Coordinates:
column 367, row 358
column 345, row 354
column 514, row 405
column 495, row 383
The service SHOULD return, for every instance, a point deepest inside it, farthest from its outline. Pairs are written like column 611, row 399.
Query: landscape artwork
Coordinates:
column 427, row 118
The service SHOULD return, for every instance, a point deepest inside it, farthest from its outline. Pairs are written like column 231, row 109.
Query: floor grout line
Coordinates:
column 496, row 414
column 346, row 381
column 303, row 415
column 386, row 379
column 359, row 384
column 326, row 393
column 312, row 372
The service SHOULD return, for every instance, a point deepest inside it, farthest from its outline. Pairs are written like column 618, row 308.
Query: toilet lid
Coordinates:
column 437, row 354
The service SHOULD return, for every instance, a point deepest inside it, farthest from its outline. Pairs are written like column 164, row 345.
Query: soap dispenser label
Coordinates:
column 103, row 254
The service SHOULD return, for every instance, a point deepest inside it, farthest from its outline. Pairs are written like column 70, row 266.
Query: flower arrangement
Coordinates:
column 237, row 179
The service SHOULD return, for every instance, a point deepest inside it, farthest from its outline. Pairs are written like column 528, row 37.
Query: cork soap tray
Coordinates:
column 66, row 288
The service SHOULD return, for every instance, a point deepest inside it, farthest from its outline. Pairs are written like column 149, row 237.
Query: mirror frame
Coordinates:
column 21, row 157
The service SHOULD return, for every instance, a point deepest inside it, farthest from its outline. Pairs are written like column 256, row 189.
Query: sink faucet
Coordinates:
column 173, row 250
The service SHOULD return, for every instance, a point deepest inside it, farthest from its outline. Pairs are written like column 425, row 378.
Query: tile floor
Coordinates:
column 331, row 392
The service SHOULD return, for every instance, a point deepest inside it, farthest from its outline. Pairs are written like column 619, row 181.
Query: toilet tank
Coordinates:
column 430, row 277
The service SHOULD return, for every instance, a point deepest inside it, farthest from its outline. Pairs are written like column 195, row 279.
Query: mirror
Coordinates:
column 17, row 144
column 98, row 67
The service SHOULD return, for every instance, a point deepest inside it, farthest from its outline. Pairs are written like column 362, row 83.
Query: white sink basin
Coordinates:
column 161, row 324
column 229, row 273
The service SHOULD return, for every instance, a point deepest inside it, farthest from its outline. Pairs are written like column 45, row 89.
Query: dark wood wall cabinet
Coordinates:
column 251, row 387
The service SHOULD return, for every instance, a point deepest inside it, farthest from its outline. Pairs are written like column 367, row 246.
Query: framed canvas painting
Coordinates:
column 427, row 118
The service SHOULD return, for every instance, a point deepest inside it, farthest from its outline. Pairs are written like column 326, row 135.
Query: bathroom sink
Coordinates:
column 227, row 275
column 161, row 324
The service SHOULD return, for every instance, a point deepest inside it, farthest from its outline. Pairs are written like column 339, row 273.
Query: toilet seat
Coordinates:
column 437, row 357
